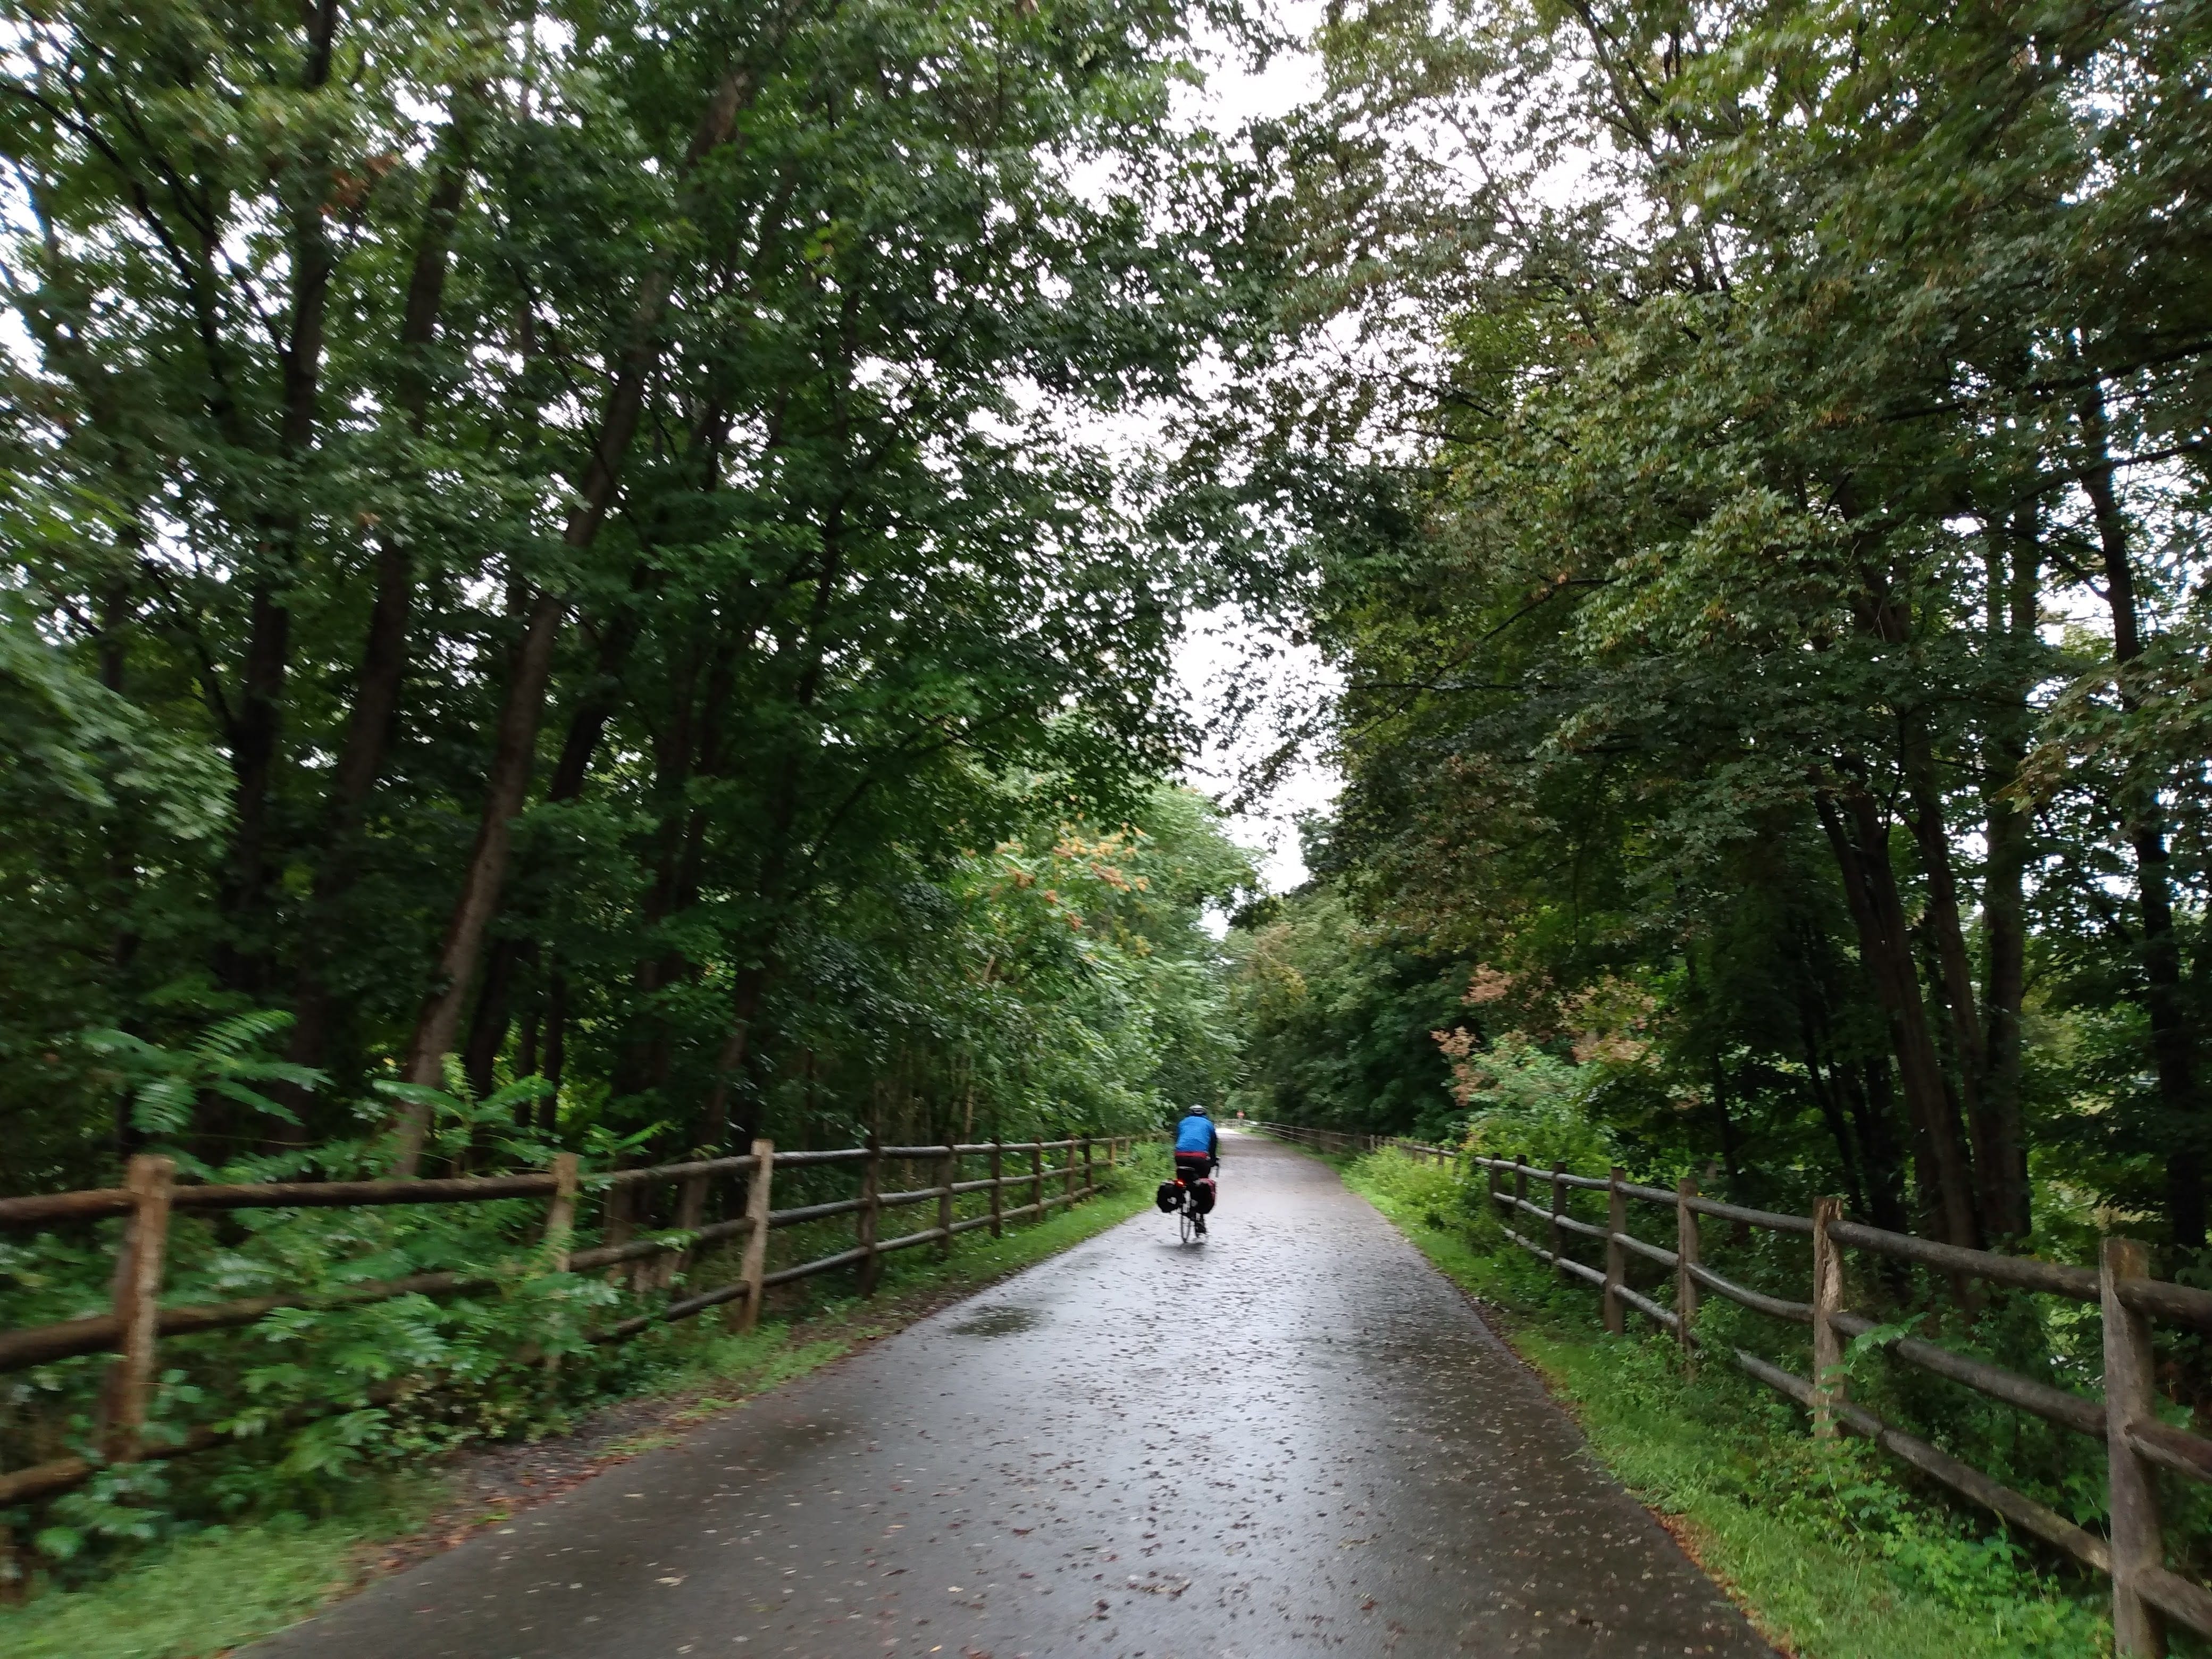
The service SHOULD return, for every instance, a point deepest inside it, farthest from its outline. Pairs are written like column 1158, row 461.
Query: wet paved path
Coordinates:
column 1298, row 1438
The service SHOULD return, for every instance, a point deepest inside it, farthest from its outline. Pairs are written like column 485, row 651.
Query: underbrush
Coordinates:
column 1831, row 1550
column 182, row 1559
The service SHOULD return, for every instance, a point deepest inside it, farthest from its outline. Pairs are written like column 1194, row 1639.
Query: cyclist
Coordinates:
column 1197, row 1151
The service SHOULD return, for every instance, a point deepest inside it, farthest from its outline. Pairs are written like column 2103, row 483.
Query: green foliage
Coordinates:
column 1338, row 1022
column 567, row 540
column 1781, row 590
column 165, row 1085
column 220, row 1590
column 1524, row 1102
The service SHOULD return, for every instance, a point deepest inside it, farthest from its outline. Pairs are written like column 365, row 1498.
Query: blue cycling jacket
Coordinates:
column 1197, row 1133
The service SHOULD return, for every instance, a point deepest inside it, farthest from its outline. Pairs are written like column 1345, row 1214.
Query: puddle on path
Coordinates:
column 997, row 1321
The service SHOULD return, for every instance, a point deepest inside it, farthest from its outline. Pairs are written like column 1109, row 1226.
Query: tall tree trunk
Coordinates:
column 714, row 1115
column 2171, row 1038
column 690, row 751
column 486, row 871
column 2014, row 590
column 1860, row 842
column 714, row 1120
column 594, row 707
column 1822, row 1077
column 384, row 650
column 256, row 734
column 1866, row 1091
column 1882, row 1174
column 598, row 700
column 1944, row 931
column 121, row 859
column 252, row 741
column 488, row 1030
column 507, row 783
column 557, row 1048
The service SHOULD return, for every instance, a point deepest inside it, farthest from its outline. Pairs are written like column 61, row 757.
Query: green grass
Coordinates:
column 1826, row 1551
column 220, row 1588
column 199, row 1595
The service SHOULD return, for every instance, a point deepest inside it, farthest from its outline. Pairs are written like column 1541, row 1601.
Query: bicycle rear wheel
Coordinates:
column 1190, row 1222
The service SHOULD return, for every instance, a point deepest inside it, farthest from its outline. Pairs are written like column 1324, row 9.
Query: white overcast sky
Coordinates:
column 1222, row 648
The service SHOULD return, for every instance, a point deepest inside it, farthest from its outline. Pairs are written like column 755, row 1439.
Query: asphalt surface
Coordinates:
column 1295, row 1438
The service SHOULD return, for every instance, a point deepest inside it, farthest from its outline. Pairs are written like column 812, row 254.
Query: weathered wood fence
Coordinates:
column 2145, row 1592
column 136, row 1321
column 1338, row 1142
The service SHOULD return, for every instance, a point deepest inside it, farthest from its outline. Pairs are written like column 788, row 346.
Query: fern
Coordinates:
column 227, row 1060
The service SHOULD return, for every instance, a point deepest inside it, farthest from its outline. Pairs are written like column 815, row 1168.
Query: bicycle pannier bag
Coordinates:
column 1201, row 1194
column 1165, row 1198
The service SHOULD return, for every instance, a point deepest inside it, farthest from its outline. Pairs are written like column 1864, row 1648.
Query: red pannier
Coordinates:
column 1201, row 1194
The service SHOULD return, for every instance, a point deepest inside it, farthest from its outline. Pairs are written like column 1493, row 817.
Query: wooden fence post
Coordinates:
column 998, row 1188
column 950, row 1174
column 871, row 1209
column 560, row 1214
column 1688, row 1249
column 1616, row 1258
column 691, row 1212
column 1068, row 1169
column 1490, row 1169
column 1036, row 1179
column 1827, row 1302
column 1558, row 1208
column 2130, row 1396
column 1112, row 1144
column 561, row 1226
column 1520, row 1182
column 1090, row 1176
column 137, row 1306
column 616, row 1224
column 746, row 1311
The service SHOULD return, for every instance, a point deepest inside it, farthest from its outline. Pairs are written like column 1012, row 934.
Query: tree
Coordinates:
column 612, row 486
column 1738, row 470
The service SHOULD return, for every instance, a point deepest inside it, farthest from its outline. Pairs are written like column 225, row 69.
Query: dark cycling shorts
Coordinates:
column 1193, row 1166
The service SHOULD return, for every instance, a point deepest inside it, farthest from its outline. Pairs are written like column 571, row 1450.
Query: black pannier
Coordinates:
column 1165, row 1198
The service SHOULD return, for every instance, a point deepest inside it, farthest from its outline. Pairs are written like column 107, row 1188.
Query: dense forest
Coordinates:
column 609, row 579
column 553, row 560
column 579, row 582
column 1763, row 553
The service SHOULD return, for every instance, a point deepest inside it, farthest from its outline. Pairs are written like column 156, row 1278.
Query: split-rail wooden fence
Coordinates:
column 1343, row 1145
column 136, row 1321
column 2136, row 1439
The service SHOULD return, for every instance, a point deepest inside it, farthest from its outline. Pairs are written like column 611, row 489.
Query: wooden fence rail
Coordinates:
column 2145, row 1593
column 136, row 1321
column 1338, row 1142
